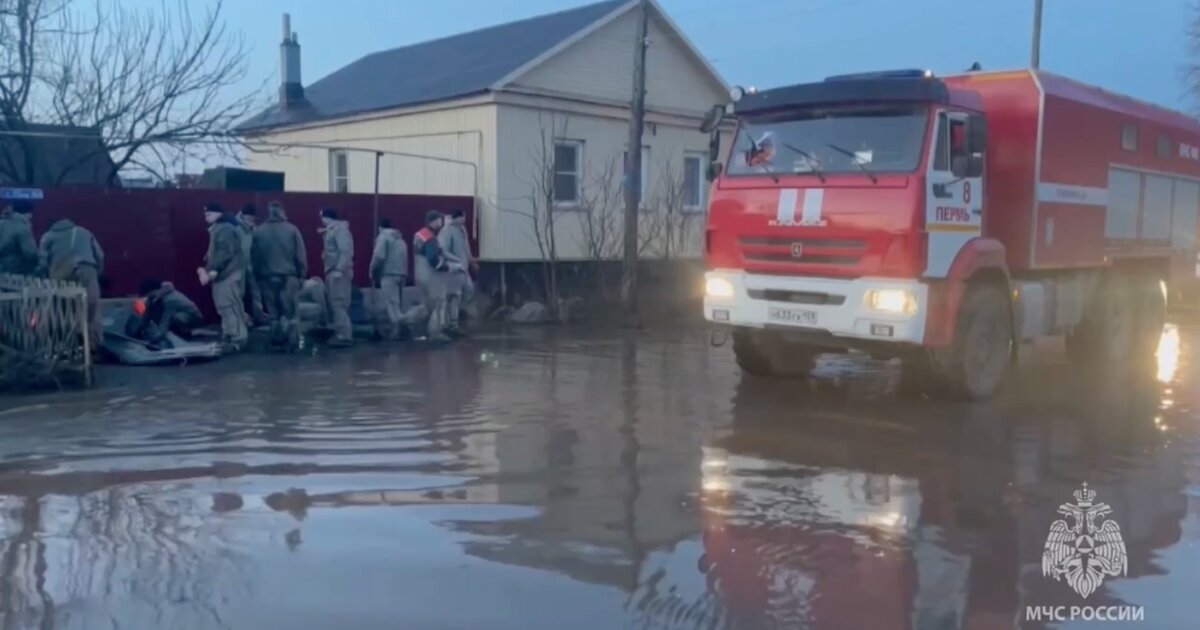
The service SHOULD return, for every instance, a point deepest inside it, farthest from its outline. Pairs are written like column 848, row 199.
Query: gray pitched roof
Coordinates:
column 442, row 69
column 57, row 155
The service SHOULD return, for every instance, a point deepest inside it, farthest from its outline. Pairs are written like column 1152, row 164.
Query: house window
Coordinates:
column 568, row 161
column 693, row 182
column 1129, row 137
column 1164, row 146
column 339, row 172
column 645, row 172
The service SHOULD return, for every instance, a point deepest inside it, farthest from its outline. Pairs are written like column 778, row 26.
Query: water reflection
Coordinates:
column 1167, row 355
column 600, row 482
column 842, row 481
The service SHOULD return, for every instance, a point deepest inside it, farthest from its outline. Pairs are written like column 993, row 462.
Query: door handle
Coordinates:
column 939, row 191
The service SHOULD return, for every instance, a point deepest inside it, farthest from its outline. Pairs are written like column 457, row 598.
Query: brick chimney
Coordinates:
column 291, row 91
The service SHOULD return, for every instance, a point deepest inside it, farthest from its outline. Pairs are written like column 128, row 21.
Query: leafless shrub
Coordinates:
column 537, row 207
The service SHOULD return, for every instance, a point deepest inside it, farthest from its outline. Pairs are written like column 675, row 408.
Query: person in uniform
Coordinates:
column 457, row 249
column 71, row 253
column 223, row 269
column 338, row 258
column 161, row 309
column 252, row 295
column 280, row 262
column 18, row 250
column 389, row 270
column 430, row 270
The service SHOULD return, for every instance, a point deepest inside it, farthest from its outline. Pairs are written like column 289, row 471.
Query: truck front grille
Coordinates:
column 803, row 250
column 798, row 297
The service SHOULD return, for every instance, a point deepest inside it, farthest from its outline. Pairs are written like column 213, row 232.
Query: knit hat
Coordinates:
column 249, row 210
column 213, row 206
column 431, row 216
column 22, row 207
column 329, row 213
column 458, row 213
column 148, row 286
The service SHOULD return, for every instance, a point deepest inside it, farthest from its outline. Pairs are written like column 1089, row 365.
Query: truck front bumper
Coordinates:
column 876, row 309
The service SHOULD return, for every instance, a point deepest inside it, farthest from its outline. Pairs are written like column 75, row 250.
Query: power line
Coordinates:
column 249, row 144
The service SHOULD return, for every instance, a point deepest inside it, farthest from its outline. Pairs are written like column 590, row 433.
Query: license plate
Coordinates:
column 792, row 316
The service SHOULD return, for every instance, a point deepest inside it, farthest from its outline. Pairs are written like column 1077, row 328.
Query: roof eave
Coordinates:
column 364, row 114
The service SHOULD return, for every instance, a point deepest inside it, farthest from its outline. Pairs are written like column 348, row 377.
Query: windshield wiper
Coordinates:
column 812, row 161
column 854, row 158
column 772, row 174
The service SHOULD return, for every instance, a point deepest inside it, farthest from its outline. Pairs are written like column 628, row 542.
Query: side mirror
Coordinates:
column 977, row 135
column 960, row 166
column 714, row 155
column 713, row 119
column 976, row 145
column 975, row 166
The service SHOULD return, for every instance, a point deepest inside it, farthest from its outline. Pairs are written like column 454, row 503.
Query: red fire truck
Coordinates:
column 946, row 220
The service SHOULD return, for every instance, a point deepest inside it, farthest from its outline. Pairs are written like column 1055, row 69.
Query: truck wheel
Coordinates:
column 1106, row 332
column 982, row 354
column 1151, row 317
column 1083, row 343
column 1117, row 320
column 764, row 354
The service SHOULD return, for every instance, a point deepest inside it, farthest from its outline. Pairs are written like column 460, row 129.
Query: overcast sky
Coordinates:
column 1137, row 47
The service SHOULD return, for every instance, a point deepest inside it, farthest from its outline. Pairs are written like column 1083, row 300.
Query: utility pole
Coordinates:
column 1035, row 59
column 633, row 166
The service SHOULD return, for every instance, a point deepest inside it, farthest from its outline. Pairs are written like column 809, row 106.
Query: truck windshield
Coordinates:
column 839, row 140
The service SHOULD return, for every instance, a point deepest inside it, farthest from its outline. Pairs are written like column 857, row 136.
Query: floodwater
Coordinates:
column 553, row 480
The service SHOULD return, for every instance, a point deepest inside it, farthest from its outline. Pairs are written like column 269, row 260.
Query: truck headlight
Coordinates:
column 718, row 288
column 897, row 301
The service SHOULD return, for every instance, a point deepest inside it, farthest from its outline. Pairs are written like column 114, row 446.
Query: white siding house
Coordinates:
column 498, row 114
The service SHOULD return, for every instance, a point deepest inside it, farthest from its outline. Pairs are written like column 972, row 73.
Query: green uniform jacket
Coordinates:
column 65, row 247
column 278, row 250
column 224, row 256
column 18, row 251
column 338, row 254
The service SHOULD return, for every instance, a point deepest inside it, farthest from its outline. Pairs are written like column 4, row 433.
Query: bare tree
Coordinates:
column 601, row 220
column 538, row 206
column 23, row 24
column 151, row 84
column 667, row 223
column 600, row 217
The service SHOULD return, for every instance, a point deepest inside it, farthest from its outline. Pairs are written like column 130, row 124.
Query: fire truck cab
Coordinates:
column 942, row 221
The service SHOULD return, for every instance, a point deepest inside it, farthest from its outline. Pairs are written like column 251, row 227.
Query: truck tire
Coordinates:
column 1126, row 324
column 761, row 353
column 1116, row 327
column 1151, row 317
column 1081, row 344
column 976, row 366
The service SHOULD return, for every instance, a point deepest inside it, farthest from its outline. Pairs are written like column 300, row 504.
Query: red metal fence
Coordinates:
column 150, row 233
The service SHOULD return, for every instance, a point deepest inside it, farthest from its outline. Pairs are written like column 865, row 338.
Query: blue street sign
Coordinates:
column 22, row 194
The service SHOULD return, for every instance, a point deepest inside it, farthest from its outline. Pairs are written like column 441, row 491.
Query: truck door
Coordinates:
column 954, row 189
